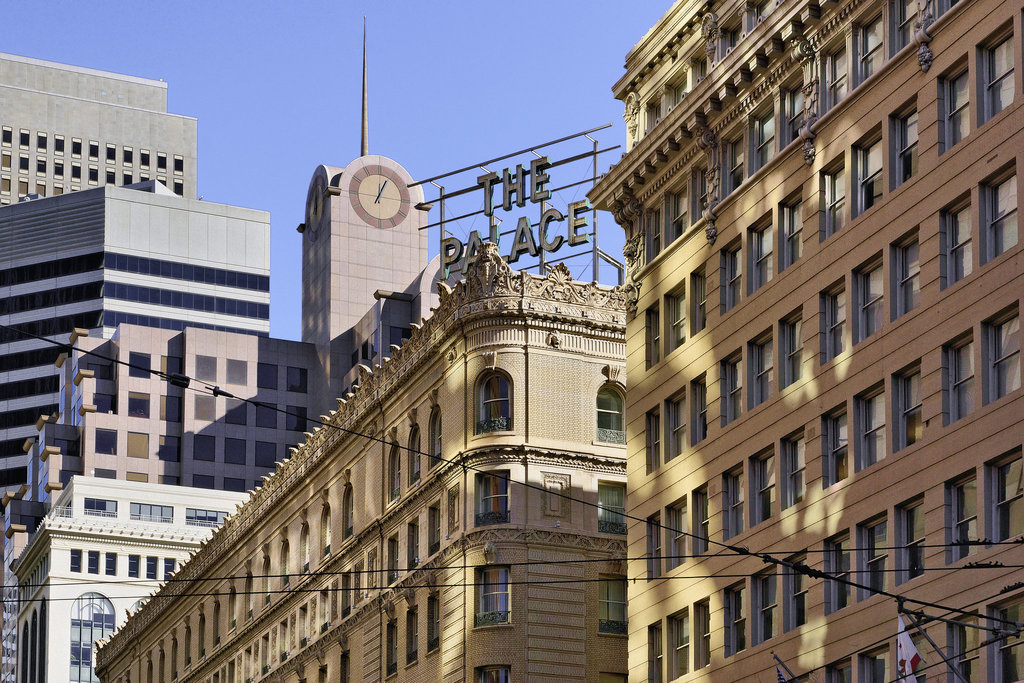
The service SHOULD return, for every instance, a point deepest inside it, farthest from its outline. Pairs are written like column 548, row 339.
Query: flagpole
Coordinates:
column 927, row 637
column 783, row 665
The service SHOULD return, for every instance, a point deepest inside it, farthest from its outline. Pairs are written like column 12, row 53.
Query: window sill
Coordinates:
column 485, row 435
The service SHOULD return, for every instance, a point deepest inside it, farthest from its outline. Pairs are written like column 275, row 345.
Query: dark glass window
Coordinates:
column 266, row 454
column 94, row 562
column 138, row 364
column 266, row 416
column 233, row 484
column 235, row 412
column 204, row 447
column 151, row 565
column 170, row 448
column 297, row 380
column 296, row 418
column 266, row 376
column 234, row 451
column 111, row 564
column 76, row 558
column 106, row 441
column 202, row 481
column 133, row 566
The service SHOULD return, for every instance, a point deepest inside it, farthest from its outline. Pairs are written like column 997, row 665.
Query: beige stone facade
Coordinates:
column 823, row 358
column 490, row 562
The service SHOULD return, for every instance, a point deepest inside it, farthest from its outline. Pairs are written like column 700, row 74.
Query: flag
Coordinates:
column 781, row 676
column 907, row 656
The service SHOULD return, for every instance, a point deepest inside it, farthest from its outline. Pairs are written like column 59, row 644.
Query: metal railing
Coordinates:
column 487, row 518
column 490, row 618
column 494, row 424
column 612, row 626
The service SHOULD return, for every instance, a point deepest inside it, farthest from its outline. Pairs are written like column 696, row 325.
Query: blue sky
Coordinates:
column 276, row 86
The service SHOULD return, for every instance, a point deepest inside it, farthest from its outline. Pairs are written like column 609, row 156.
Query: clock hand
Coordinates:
column 380, row 191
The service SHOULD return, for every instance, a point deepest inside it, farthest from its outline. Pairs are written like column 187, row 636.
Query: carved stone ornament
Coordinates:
column 709, row 143
column 409, row 594
column 633, row 251
column 490, row 359
column 613, row 373
column 452, row 356
column 553, row 340
column 389, row 609
column 810, row 116
column 490, row 552
column 626, row 210
column 631, row 115
column 711, row 34
column 925, row 18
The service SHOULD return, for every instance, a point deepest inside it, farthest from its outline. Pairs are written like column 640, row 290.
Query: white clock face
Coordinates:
column 379, row 196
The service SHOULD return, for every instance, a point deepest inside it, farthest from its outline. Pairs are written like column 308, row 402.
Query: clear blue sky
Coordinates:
column 276, row 86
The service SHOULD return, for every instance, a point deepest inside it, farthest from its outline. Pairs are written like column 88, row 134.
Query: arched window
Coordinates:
column 414, row 455
column 348, row 510
column 394, row 473
column 325, row 529
column 495, row 413
column 266, row 579
column 41, row 651
column 92, row 618
column 609, row 416
column 216, row 623
column 233, row 605
column 202, row 635
column 250, row 594
column 33, row 648
column 304, row 546
column 188, row 644
column 149, row 671
column 286, row 565
column 435, row 438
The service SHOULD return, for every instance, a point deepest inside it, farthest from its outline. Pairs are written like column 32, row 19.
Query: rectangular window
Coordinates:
column 764, row 139
column 433, row 622
column 954, row 115
column 791, row 223
column 734, row 159
column 1002, row 362
column 963, row 648
column 1007, row 511
column 679, row 638
column 735, row 619
column 732, row 503
column 652, row 114
column 675, row 533
column 962, row 528
column 870, row 413
column 295, row 418
column 492, row 498
column 759, row 241
column 169, row 567
column 910, row 539
column 179, row 164
column 677, row 213
column 762, row 371
column 794, row 605
column 138, row 364
column 412, row 545
column 653, row 226
column 149, row 512
column 869, row 48
column 654, row 653
column 868, row 289
column 111, row 153
column 903, row 14
column 110, row 564
column 611, row 508
column 235, row 411
column 904, row 129
column 957, row 254
column 907, row 413
column 699, row 196
column 138, row 404
column 701, row 521
column 493, row 596
column 794, row 464
column 266, row 376
column 675, row 306
column 868, row 176
column 907, row 264
column 839, row 672
column 702, row 634
column 412, row 632
column 93, row 566
column 762, row 469
column 732, row 271
column 833, row 201
column 766, row 608
column 266, row 416
column 654, row 546
column 699, row 403
column 653, row 335
column 1008, row 659
column 699, row 296
column 133, row 566
column 999, row 217
column 997, row 77
column 837, row 563
column 835, row 78
column 791, row 351
column 833, row 323
column 653, row 447
column 732, row 389
column 874, row 666
column 676, row 412
column 612, row 605
column 835, row 448
column 874, row 555
column 100, row 507
column 151, row 567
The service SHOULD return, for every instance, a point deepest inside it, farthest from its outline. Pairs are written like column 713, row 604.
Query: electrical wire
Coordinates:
column 185, row 381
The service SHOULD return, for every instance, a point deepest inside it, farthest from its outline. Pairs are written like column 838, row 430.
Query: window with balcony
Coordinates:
column 612, row 605
column 610, row 427
column 492, row 498
column 492, row 596
column 495, row 406
column 611, row 508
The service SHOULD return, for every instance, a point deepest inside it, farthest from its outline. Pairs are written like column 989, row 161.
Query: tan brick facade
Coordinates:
column 861, row 391
column 557, row 343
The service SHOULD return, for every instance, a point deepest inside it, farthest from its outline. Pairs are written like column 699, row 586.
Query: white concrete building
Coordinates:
column 102, row 548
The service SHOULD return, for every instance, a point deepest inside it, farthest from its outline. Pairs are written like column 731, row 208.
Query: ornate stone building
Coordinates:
column 820, row 205
column 457, row 518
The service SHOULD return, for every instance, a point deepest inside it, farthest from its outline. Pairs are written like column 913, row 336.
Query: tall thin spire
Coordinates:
column 365, row 145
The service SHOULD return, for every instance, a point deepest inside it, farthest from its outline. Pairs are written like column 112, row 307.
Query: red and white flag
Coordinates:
column 907, row 656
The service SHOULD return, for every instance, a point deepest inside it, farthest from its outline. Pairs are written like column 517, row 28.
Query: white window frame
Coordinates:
column 732, row 503
column 793, row 450
column 870, row 303
column 957, row 244
column 1001, row 352
column 836, row 447
column 790, row 226
column 870, row 415
column 999, row 210
column 732, row 388
column 732, row 276
column 959, row 381
column 907, row 413
column 790, row 350
column 761, row 354
column 833, row 201
column 833, row 323
column 992, row 79
column 759, row 246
